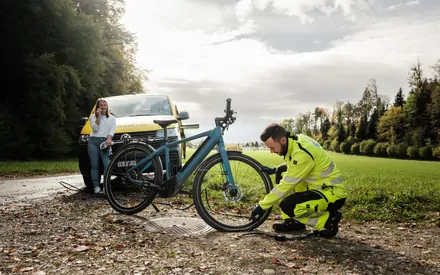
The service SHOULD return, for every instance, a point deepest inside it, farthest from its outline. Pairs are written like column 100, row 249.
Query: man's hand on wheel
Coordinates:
column 268, row 170
column 257, row 213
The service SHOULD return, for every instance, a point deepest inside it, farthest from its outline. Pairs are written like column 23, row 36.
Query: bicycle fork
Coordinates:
column 230, row 183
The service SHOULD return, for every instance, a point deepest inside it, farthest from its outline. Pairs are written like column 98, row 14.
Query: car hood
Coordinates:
column 133, row 124
column 140, row 123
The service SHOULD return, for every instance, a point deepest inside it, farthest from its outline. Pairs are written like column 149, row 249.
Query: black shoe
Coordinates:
column 288, row 225
column 331, row 227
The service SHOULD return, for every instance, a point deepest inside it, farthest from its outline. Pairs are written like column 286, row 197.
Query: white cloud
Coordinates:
column 403, row 4
column 202, row 53
column 303, row 8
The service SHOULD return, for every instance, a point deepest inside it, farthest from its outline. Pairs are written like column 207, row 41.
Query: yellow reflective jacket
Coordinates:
column 308, row 167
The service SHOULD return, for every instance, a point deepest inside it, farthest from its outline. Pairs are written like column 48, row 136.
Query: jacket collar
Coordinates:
column 289, row 146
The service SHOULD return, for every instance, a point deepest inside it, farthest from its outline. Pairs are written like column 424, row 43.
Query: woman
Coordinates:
column 103, row 126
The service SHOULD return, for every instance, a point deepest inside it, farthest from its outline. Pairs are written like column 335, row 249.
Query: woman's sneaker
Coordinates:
column 288, row 225
column 97, row 190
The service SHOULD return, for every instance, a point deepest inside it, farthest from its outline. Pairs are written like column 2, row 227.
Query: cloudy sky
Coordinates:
column 277, row 58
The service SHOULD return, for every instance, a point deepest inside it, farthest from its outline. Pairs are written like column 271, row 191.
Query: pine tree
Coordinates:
column 399, row 100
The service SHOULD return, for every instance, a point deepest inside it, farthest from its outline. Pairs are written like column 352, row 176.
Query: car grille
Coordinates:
column 149, row 139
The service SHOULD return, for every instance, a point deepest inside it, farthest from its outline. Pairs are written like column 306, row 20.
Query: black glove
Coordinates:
column 269, row 170
column 257, row 213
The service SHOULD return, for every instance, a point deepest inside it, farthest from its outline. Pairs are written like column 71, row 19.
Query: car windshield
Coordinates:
column 150, row 105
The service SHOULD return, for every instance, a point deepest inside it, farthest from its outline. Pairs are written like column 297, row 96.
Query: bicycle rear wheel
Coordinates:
column 216, row 202
column 123, row 195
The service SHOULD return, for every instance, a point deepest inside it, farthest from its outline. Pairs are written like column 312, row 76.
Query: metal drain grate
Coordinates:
column 178, row 226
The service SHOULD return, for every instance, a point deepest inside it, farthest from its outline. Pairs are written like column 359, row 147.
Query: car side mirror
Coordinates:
column 183, row 115
column 83, row 121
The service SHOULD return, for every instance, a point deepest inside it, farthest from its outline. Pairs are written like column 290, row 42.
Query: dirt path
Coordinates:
column 75, row 233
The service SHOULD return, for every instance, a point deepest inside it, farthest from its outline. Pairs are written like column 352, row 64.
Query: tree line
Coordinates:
column 59, row 56
column 405, row 128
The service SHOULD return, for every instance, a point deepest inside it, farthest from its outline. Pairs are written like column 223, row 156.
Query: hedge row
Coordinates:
column 382, row 149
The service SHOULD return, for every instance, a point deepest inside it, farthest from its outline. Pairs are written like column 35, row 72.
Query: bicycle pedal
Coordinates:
column 184, row 192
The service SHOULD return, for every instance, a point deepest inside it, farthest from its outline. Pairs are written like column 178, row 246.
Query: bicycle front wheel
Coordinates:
column 222, row 207
column 127, row 196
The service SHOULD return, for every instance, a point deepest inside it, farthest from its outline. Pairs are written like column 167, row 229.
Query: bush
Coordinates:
column 412, row 151
column 392, row 151
column 367, row 147
column 335, row 145
column 355, row 148
column 380, row 149
column 425, row 152
column 327, row 144
column 319, row 140
column 401, row 150
column 345, row 146
column 436, row 152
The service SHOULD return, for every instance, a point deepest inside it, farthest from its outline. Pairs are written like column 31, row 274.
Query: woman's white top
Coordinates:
column 106, row 127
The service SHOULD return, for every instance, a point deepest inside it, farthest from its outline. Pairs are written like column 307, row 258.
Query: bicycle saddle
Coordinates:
column 165, row 123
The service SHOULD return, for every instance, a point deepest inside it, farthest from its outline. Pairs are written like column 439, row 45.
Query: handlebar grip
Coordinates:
column 228, row 104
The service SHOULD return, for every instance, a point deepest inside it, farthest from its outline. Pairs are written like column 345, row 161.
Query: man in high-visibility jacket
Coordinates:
column 311, row 190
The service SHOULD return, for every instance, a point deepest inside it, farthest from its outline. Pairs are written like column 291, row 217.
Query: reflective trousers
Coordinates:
column 311, row 206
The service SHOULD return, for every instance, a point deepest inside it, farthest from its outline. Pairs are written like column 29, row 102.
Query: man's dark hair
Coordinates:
column 274, row 131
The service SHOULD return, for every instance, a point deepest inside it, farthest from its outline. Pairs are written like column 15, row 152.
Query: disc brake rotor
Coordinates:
column 232, row 195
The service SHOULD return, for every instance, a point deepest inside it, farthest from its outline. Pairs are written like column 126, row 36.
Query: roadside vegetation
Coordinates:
column 79, row 52
column 20, row 169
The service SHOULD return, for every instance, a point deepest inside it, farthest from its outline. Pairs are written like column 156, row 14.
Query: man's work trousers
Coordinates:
column 311, row 206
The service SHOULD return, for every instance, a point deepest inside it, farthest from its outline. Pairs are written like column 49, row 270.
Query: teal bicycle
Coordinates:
column 226, row 187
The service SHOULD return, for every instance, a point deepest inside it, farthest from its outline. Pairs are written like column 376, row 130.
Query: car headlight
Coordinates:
column 83, row 139
column 171, row 132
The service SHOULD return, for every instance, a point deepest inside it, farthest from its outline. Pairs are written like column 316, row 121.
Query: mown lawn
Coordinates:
column 17, row 169
column 379, row 188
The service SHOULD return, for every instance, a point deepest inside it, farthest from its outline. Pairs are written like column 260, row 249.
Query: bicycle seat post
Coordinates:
column 165, row 136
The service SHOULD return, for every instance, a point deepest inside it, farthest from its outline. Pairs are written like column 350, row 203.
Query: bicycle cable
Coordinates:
column 283, row 237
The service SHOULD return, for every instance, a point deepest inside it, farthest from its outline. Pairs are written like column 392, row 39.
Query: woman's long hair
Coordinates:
column 97, row 106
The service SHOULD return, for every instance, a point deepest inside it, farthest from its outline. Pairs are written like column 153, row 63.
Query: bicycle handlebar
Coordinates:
column 228, row 104
column 227, row 120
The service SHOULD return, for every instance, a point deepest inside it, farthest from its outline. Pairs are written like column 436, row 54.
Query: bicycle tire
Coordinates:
column 197, row 192
column 153, row 191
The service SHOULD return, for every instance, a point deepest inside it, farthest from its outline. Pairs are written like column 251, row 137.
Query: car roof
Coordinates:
column 116, row 97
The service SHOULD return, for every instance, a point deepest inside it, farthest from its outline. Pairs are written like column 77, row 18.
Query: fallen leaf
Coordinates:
column 80, row 248
column 290, row 264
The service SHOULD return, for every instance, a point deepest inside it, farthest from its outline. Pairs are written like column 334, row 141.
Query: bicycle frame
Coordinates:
column 214, row 137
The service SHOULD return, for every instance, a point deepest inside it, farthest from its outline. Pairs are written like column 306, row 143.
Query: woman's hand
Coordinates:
column 108, row 141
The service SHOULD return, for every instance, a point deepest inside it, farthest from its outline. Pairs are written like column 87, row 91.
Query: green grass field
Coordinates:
column 384, row 189
column 15, row 169
column 379, row 188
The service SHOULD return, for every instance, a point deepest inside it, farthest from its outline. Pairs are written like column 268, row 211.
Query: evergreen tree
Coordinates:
column 399, row 100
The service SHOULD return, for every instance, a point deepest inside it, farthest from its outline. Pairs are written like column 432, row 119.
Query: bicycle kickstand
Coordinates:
column 155, row 207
